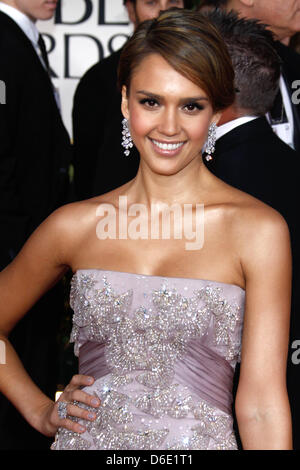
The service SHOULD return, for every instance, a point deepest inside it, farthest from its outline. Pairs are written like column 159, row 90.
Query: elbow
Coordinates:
column 261, row 409
column 249, row 412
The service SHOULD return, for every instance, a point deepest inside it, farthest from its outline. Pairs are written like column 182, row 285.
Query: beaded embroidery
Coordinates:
column 142, row 346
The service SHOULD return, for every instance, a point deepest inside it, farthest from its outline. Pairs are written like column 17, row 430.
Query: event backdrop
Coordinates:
column 81, row 33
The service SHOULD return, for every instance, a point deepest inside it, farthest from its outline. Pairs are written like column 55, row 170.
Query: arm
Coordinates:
column 41, row 263
column 262, row 406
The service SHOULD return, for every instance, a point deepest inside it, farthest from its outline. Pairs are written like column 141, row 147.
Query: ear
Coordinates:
column 216, row 117
column 247, row 3
column 124, row 104
column 131, row 12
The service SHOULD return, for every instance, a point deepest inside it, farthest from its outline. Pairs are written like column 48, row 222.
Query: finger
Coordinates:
column 72, row 425
column 77, row 411
column 70, row 419
column 79, row 380
column 83, row 397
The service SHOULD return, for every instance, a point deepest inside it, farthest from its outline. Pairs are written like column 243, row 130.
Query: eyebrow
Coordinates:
column 183, row 100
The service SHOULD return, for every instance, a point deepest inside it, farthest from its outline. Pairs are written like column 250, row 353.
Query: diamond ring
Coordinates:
column 62, row 409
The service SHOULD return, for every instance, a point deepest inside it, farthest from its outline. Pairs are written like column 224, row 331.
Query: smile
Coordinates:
column 165, row 146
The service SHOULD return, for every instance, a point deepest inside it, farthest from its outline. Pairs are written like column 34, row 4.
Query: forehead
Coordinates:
column 160, row 3
column 156, row 75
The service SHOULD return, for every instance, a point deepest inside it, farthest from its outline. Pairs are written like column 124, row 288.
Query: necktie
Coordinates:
column 44, row 55
column 277, row 114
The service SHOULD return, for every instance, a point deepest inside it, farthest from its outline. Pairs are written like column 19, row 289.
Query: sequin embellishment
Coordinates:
column 142, row 346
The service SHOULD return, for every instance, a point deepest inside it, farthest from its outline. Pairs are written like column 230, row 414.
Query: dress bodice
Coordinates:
column 164, row 349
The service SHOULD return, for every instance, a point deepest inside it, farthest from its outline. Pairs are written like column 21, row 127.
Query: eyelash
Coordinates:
column 146, row 101
column 198, row 107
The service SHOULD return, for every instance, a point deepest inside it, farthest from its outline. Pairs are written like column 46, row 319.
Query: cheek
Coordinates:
column 144, row 13
column 197, row 130
column 277, row 15
column 140, row 122
column 198, row 133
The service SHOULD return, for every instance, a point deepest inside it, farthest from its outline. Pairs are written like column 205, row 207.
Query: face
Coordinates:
column 283, row 16
column 147, row 9
column 168, row 115
column 35, row 9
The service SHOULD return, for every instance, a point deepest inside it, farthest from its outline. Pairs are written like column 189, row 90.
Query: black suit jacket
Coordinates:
column 253, row 159
column 34, row 146
column 290, row 71
column 99, row 161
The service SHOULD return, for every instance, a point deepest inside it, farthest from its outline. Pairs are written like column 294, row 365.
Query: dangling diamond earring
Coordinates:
column 209, row 146
column 126, row 137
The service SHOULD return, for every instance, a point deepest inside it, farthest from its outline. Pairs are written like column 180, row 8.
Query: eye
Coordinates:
column 193, row 107
column 149, row 102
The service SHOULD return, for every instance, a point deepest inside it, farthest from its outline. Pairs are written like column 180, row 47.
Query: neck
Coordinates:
column 286, row 41
column 188, row 186
column 230, row 114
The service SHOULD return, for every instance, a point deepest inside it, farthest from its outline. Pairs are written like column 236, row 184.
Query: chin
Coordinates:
column 46, row 16
column 166, row 170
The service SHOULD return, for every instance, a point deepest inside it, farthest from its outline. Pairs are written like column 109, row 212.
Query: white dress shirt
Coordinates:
column 229, row 126
column 285, row 131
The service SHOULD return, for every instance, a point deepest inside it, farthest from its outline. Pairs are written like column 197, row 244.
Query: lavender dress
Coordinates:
column 163, row 352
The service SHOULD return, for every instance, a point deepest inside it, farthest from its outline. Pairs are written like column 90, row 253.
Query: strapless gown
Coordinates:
column 163, row 352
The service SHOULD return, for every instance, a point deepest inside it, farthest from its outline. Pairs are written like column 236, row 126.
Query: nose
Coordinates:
column 169, row 123
column 164, row 5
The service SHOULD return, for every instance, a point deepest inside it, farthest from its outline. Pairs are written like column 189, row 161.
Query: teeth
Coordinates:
column 167, row 146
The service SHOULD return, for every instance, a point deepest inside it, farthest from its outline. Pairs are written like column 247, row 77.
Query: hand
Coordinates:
column 51, row 418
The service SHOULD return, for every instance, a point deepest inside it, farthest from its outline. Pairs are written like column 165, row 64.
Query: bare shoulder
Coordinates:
column 71, row 220
column 65, row 228
column 77, row 217
column 75, row 221
column 245, row 214
column 257, row 219
column 257, row 227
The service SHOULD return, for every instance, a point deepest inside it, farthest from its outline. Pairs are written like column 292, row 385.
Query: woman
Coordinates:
column 157, row 318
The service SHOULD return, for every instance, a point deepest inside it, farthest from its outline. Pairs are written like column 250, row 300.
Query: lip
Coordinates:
column 167, row 151
column 51, row 3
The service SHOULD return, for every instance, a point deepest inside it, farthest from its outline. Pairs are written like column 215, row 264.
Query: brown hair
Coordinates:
column 191, row 45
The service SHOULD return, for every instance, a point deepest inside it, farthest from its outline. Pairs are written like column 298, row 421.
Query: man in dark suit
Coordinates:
column 283, row 18
column 249, row 155
column 99, row 161
column 35, row 153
